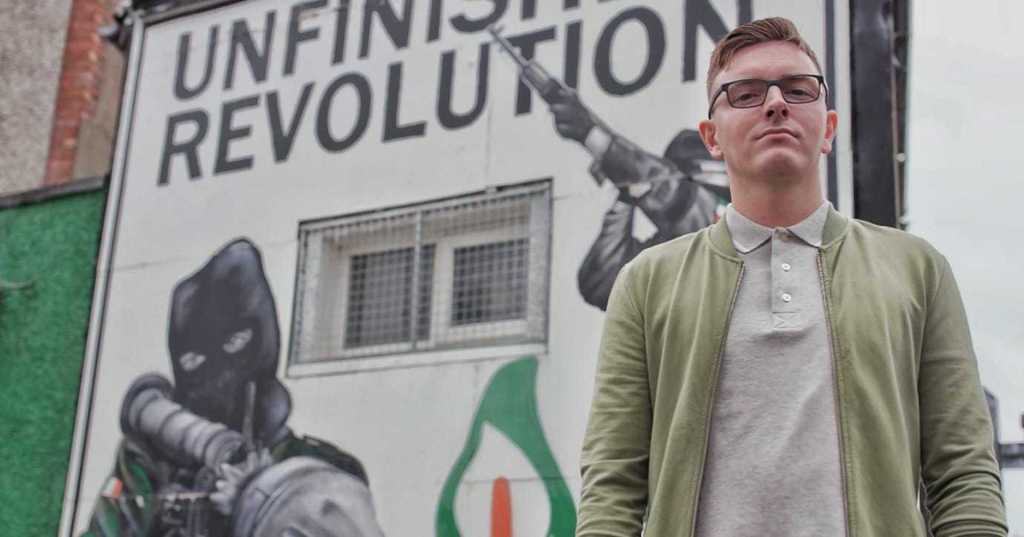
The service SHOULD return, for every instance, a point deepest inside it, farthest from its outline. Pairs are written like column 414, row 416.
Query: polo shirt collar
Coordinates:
column 748, row 235
column 810, row 229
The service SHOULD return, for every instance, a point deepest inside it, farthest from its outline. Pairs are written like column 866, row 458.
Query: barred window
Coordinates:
column 380, row 297
column 490, row 282
column 459, row 273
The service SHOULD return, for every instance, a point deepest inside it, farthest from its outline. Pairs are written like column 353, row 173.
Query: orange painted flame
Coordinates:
column 501, row 509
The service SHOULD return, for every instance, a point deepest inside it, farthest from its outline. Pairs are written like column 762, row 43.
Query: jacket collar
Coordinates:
column 835, row 227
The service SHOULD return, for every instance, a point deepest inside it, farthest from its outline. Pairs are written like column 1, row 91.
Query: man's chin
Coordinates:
column 781, row 164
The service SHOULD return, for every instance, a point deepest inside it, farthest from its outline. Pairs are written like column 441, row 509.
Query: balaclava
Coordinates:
column 223, row 335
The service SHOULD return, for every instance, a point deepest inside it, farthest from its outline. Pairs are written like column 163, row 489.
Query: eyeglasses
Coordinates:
column 752, row 92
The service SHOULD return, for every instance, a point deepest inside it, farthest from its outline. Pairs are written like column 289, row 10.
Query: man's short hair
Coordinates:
column 754, row 33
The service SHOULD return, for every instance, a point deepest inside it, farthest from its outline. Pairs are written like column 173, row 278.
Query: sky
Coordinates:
column 965, row 184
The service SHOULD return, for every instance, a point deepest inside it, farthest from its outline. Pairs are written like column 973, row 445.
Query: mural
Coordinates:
column 509, row 404
column 400, row 160
column 211, row 453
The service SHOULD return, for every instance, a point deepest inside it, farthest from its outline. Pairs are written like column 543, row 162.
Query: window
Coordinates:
column 490, row 282
column 464, row 273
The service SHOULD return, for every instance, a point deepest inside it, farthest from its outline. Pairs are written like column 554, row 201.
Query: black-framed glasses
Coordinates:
column 752, row 92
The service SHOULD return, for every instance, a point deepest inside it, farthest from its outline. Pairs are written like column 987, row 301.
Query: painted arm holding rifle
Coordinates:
column 679, row 193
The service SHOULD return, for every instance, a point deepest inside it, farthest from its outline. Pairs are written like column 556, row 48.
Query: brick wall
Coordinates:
column 85, row 73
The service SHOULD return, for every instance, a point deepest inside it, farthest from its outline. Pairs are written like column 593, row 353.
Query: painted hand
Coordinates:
column 572, row 119
column 233, row 479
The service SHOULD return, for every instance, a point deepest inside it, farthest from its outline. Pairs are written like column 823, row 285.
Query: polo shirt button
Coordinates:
column 786, row 297
column 786, row 267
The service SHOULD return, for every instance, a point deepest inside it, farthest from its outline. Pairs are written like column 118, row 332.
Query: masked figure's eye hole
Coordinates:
column 190, row 361
column 238, row 341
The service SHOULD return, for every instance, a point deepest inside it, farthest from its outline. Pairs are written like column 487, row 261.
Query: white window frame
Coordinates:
column 446, row 343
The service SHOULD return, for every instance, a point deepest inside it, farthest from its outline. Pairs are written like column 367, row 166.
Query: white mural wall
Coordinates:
column 258, row 119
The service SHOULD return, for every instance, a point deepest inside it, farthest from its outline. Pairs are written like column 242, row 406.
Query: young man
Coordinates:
column 786, row 371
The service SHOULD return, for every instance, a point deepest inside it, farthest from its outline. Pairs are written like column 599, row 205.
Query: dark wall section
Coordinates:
column 51, row 246
column 877, row 118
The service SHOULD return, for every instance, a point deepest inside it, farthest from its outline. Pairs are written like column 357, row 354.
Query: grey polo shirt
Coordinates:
column 773, row 454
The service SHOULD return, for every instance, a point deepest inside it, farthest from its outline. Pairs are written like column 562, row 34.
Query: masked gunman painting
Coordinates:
column 209, row 452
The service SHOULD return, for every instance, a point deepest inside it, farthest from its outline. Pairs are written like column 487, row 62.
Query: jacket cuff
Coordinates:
column 597, row 142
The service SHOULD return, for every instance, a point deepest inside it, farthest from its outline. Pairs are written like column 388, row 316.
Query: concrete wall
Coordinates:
column 31, row 46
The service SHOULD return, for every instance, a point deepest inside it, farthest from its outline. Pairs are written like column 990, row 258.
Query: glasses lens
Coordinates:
column 800, row 89
column 747, row 93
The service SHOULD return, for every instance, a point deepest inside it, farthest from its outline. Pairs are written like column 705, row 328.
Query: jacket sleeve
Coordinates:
column 625, row 163
column 616, row 444
column 959, row 471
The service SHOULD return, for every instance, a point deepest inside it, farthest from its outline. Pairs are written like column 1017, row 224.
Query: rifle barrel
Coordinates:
column 508, row 47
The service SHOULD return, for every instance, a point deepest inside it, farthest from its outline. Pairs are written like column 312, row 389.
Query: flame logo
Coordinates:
column 509, row 404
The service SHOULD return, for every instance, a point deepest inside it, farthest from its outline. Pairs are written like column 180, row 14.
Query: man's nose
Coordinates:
column 774, row 103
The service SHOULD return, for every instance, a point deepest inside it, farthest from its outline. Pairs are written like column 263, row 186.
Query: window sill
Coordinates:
column 345, row 366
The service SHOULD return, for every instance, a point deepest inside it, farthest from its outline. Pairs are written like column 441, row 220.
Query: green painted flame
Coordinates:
column 510, row 405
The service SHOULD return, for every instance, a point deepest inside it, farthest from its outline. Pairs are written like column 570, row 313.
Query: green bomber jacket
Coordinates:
column 912, row 418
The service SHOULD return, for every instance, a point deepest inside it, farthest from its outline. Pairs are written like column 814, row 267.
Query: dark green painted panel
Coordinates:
column 52, row 244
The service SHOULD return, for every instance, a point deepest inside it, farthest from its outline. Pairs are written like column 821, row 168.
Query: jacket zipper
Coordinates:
column 711, row 402
column 835, row 388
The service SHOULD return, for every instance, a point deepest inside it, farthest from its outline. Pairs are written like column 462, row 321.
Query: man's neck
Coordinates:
column 772, row 205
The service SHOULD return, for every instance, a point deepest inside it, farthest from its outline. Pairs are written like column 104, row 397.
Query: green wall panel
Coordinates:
column 52, row 244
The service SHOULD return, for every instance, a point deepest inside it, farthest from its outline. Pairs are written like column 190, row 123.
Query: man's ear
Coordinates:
column 709, row 135
column 831, row 123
